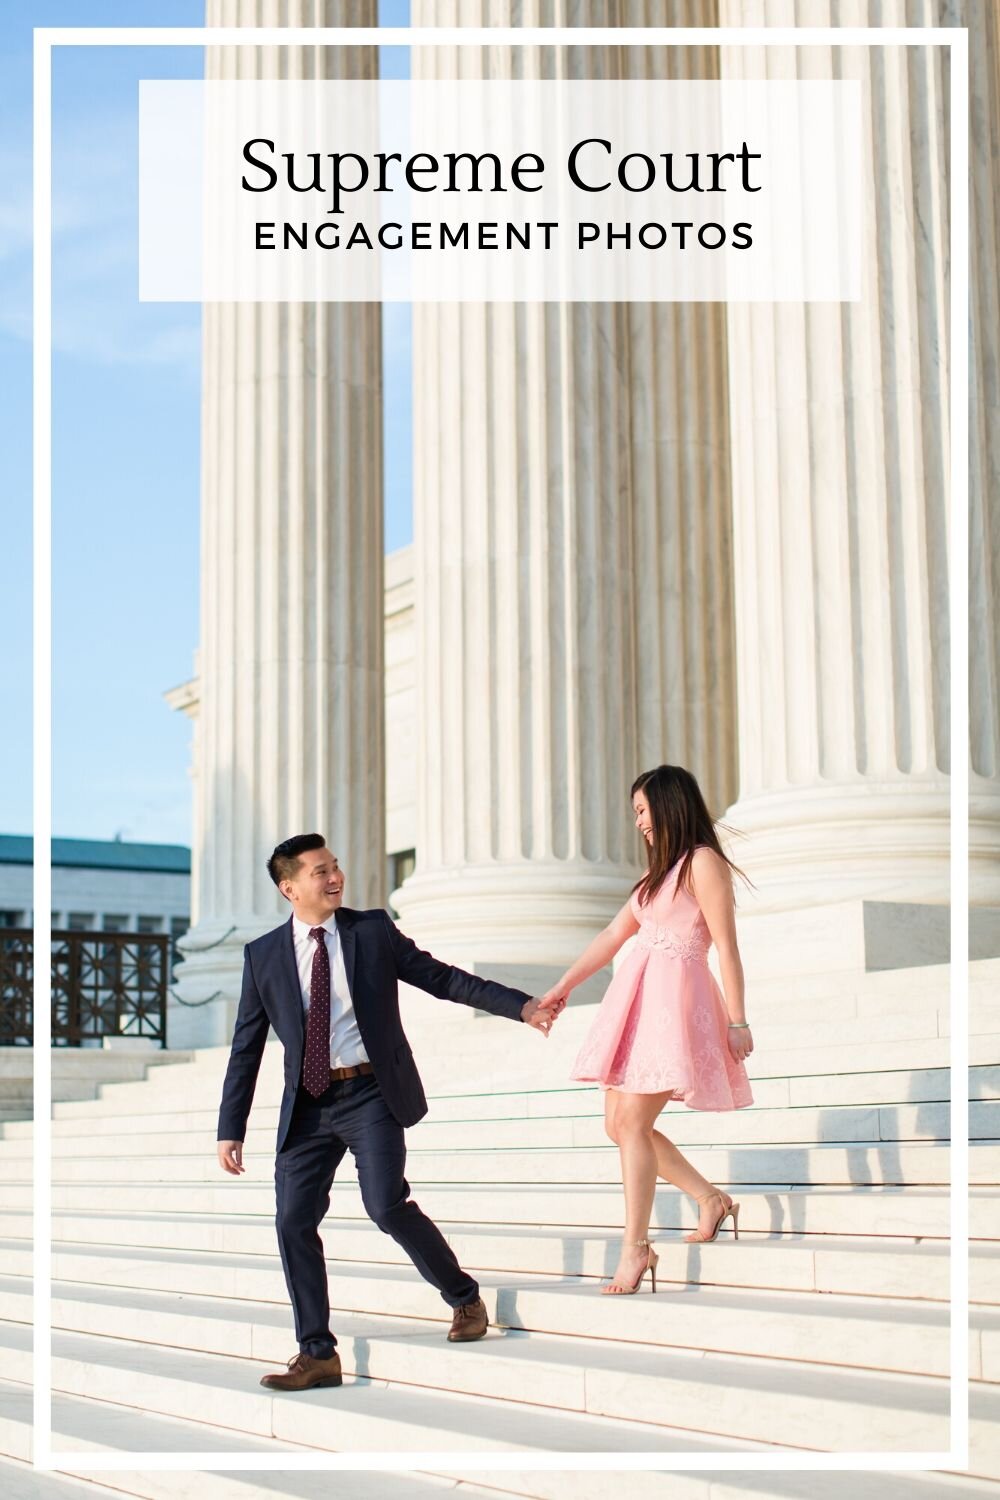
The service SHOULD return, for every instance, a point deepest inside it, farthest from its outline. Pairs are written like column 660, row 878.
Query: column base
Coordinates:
column 886, row 841
column 209, row 980
column 846, row 939
column 537, row 913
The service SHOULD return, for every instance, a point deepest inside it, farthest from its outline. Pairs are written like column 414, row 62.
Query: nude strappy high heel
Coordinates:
column 731, row 1211
column 652, row 1261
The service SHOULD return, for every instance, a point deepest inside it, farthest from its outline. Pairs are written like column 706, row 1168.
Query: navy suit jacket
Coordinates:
column 376, row 956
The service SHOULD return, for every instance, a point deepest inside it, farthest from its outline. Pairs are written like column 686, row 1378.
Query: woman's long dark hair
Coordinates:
column 680, row 822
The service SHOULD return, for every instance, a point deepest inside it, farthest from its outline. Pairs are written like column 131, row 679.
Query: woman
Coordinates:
column 663, row 1030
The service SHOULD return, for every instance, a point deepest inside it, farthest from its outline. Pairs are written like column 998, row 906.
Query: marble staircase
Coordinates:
column 77, row 1072
column 825, row 1328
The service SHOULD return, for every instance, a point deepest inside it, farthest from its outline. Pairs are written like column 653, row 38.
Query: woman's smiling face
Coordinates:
column 643, row 817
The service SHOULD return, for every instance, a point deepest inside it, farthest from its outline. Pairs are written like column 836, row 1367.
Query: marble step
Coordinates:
column 850, row 994
column 709, row 1484
column 854, row 1057
column 77, row 1074
column 706, row 1484
column 17, row 1480
column 231, row 1324
column 20, row 1481
column 74, row 1090
column 110, row 1063
column 369, row 1415
column 790, row 1262
column 791, row 1125
column 766, row 1208
column 895, row 1086
column 885, row 1162
column 864, row 1124
column 904, row 1087
column 17, row 1098
column 624, row 1404
column 900, row 1334
column 81, row 1425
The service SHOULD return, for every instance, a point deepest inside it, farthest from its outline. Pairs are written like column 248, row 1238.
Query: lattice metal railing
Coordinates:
column 103, row 984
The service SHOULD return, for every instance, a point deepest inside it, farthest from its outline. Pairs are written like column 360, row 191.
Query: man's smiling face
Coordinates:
column 316, row 890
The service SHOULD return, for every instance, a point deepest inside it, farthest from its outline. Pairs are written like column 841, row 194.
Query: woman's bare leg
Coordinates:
column 671, row 1164
column 674, row 1167
column 631, row 1118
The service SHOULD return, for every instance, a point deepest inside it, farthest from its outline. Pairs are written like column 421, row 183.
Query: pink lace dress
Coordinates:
column 662, row 1025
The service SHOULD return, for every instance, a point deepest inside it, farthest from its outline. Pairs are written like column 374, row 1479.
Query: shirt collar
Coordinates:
column 303, row 929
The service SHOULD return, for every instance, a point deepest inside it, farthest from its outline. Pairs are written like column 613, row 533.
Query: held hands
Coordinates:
column 231, row 1157
column 541, row 1014
column 740, row 1042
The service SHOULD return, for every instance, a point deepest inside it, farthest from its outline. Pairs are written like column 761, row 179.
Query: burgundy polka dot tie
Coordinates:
column 316, row 1066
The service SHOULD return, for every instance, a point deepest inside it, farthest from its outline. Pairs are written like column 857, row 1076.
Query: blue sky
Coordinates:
column 125, row 448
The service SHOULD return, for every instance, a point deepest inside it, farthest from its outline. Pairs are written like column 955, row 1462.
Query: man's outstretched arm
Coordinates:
column 415, row 966
column 249, row 1036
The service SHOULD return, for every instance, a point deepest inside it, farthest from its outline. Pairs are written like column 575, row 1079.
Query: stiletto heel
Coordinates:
column 652, row 1261
column 730, row 1210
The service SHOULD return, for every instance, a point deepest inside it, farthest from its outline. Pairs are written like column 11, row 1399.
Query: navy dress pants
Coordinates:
column 350, row 1116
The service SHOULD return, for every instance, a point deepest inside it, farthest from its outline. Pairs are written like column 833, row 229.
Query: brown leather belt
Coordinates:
column 336, row 1074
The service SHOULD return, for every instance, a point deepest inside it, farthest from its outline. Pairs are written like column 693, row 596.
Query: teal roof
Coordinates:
column 100, row 854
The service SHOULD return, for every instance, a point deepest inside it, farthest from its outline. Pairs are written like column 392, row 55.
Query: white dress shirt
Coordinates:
column 346, row 1046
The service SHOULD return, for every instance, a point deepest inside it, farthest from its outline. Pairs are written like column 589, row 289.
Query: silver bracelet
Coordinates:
column 739, row 1023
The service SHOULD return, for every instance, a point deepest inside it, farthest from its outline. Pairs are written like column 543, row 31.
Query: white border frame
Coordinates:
column 956, row 40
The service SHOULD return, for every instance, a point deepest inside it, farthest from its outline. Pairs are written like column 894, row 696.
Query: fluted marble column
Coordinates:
column 682, row 525
column 984, row 444
column 561, row 553
column 290, row 734
column 840, row 485
column 526, row 692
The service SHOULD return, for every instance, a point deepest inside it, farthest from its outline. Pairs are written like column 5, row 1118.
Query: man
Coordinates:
column 326, row 980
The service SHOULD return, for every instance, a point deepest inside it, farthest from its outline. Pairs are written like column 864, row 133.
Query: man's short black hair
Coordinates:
column 287, row 855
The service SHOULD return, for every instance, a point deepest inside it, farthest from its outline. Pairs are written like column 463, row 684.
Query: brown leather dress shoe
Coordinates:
column 305, row 1372
column 470, row 1322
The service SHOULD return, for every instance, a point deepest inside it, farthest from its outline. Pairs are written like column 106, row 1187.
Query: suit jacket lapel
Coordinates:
column 345, row 927
column 290, row 974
